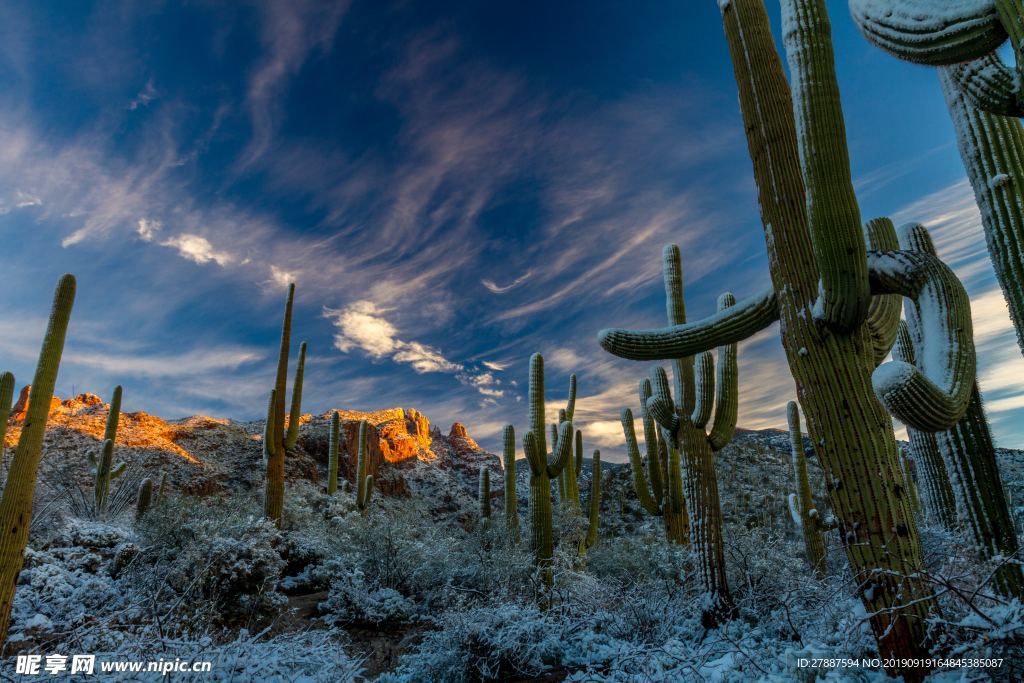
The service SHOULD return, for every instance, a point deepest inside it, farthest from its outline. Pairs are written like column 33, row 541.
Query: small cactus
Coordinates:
column 801, row 504
column 364, row 481
column 333, row 452
column 145, row 497
column 103, row 472
column 19, row 489
column 511, row 499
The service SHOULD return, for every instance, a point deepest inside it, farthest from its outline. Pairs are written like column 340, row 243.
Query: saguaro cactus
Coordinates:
column 6, row 396
column 485, row 497
column 939, row 501
column 542, row 470
column 568, row 488
column 144, row 498
column 801, row 504
column 364, row 481
column 594, row 505
column 295, row 414
column 509, row 469
column 970, row 458
column 798, row 170
column 655, row 497
column 19, row 489
column 333, row 452
column 982, row 95
column 103, row 472
column 275, row 437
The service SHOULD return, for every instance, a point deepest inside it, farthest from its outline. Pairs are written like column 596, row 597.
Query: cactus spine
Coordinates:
column 801, row 503
column 364, row 481
column 19, row 489
column 102, row 468
column 509, row 467
column 275, row 437
column 970, row 459
column 485, row 498
column 295, row 414
column 144, row 498
column 593, row 517
column 797, row 167
column 542, row 470
column 333, row 451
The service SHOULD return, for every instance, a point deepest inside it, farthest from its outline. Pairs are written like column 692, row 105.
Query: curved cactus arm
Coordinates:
column 509, row 467
column 933, row 395
column 560, row 457
column 593, row 518
column 988, row 84
column 6, row 396
column 333, row 453
column 295, row 414
column 739, row 322
column 643, row 493
column 113, row 415
column 570, row 404
column 726, row 388
column 534, row 457
column 931, row 33
column 884, row 312
column 269, row 433
column 832, row 210
column 118, row 471
column 535, row 397
column 794, row 511
column 704, row 378
column 664, row 413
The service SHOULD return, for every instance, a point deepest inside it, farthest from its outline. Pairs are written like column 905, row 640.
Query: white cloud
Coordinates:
column 148, row 228
column 282, row 277
column 501, row 289
column 198, row 249
column 23, row 200
column 495, row 365
column 145, row 96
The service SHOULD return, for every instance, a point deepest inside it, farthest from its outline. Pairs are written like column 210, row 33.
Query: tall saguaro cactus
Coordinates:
column 333, row 453
column 19, row 489
column 295, row 414
column 275, row 437
column 364, row 481
column 806, row 199
column 801, row 504
column 508, row 462
column 542, row 471
column 984, row 98
column 970, row 459
column 102, row 467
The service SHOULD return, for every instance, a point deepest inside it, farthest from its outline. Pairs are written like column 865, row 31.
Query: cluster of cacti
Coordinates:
column 333, row 453
column 801, row 504
column 968, row 453
column 823, row 281
column 102, row 467
column 19, row 489
column 276, row 440
column 681, row 457
column 364, row 482
column 982, row 95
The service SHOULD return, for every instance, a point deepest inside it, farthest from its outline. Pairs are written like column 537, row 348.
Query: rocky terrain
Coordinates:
column 418, row 590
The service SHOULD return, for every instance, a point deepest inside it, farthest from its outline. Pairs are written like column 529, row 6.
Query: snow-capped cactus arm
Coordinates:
column 884, row 313
column 833, row 215
column 794, row 511
column 563, row 450
column 704, row 376
column 643, row 493
column 930, row 32
column 739, row 322
column 726, row 388
column 989, row 85
column 933, row 394
column 6, row 396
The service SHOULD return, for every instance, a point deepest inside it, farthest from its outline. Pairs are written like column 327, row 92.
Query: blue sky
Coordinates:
column 452, row 186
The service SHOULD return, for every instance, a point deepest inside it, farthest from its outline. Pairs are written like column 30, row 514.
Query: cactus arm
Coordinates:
column 19, row 489
column 534, row 457
column 988, row 84
column 682, row 367
column 930, row 33
column 643, row 493
column 144, row 498
column 118, row 471
column 832, row 210
column 295, row 414
column 739, row 322
column 593, row 518
column 704, row 378
column 570, row 405
column 563, row 450
column 485, row 495
column 933, row 396
column 333, row 453
column 536, row 401
column 268, row 429
column 509, row 466
column 726, row 388
column 664, row 413
column 884, row 312
column 113, row 415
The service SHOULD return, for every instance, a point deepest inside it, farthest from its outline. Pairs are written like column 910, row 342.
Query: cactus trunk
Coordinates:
column 593, row 518
column 274, row 433
column 511, row 498
column 295, row 413
column 19, row 489
column 333, row 453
